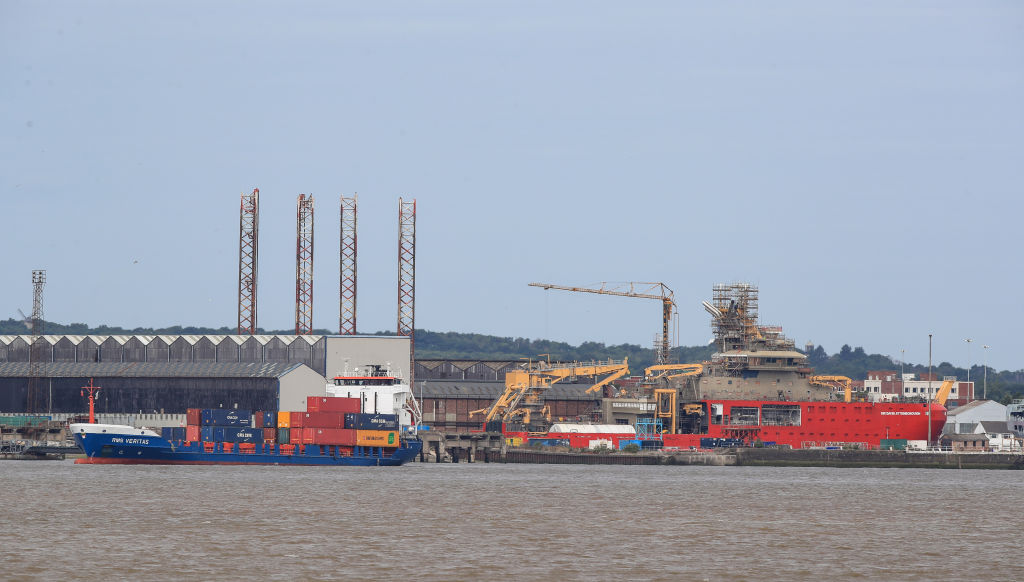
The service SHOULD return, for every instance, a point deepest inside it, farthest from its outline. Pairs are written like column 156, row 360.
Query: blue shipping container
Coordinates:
column 225, row 417
column 231, row 434
column 367, row 421
column 240, row 434
column 269, row 419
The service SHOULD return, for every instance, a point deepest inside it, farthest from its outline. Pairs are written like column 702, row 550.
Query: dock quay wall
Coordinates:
column 883, row 459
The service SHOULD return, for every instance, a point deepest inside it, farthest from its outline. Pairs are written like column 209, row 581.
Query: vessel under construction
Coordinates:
column 757, row 389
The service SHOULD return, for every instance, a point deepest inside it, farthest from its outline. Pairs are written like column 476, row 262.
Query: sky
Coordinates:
column 860, row 162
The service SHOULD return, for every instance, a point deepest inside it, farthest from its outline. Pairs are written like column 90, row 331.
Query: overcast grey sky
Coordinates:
column 860, row 161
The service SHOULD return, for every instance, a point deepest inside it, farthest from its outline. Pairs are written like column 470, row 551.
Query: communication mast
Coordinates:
column 407, row 277
column 347, row 317
column 248, row 237
column 37, row 348
column 93, row 392
column 304, row 266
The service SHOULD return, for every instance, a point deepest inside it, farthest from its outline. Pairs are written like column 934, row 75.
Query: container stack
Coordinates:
column 266, row 420
column 219, row 425
column 332, row 420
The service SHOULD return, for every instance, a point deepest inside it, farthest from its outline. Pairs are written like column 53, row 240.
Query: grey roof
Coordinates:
column 167, row 339
column 964, row 437
column 491, row 390
column 431, row 363
column 969, row 406
column 150, row 369
column 994, row 426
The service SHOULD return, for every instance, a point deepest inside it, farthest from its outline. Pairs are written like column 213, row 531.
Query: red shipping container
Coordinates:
column 296, row 419
column 193, row 416
column 192, row 433
column 332, row 404
column 331, row 436
column 324, row 420
column 257, row 419
column 269, row 435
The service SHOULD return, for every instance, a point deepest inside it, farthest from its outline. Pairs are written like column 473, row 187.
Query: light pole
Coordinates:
column 984, row 361
column 968, row 340
column 903, row 360
column 929, row 390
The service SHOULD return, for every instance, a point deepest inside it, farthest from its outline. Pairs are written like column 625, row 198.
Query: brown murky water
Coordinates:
column 508, row 522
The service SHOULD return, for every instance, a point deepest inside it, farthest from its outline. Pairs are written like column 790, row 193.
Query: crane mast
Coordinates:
column 658, row 291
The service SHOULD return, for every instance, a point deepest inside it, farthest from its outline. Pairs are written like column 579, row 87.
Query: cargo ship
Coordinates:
column 756, row 390
column 332, row 431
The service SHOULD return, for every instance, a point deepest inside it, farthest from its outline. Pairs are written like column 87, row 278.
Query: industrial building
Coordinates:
column 169, row 373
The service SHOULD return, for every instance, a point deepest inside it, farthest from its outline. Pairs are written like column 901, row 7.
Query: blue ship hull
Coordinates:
column 124, row 449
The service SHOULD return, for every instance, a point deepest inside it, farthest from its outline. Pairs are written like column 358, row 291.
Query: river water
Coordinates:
column 508, row 522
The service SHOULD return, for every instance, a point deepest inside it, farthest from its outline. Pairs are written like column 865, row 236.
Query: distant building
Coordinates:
column 888, row 385
column 965, row 442
column 1000, row 438
column 965, row 419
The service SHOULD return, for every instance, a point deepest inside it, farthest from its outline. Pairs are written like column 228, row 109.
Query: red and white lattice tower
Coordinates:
column 347, row 319
column 407, row 277
column 248, row 237
column 304, row 266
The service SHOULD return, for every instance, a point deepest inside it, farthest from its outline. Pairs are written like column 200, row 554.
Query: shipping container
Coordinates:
column 369, row 421
column 269, row 419
column 239, row 434
column 376, row 438
column 283, row 435
column 284, row 419
column 226, row 417
column 269, row 435
column 192, row 433
column 23, row 420
column 324, row 420
column 329, row 436
column 257, row 419
column 331, row 404
column 297, row 419
column 193, row 416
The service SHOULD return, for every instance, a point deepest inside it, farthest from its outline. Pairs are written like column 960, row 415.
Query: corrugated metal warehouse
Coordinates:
column 159, row 388
column 170, row 373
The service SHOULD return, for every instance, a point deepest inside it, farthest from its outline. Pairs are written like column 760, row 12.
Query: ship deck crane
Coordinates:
column 665, row 398
column 524, row 389
column 657, row 291
column 839, row 382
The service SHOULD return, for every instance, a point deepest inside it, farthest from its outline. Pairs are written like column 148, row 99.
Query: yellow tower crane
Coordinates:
column 657, row 291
